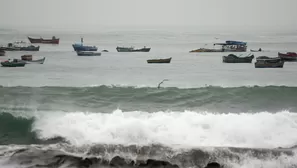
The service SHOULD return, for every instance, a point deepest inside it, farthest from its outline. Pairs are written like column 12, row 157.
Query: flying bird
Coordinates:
column 159, row 85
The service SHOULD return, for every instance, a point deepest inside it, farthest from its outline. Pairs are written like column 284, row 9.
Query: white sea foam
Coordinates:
column 280, row 162
column 171, row 128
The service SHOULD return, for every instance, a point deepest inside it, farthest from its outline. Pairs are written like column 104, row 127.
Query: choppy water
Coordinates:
column 107, row 111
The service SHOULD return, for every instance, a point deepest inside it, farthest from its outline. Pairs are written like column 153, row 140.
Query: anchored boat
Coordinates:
column 269, row 63
column 13, row 63
column 88, row 53
column 167, row 60
column 54, row 40
column 81, row 47
column 19, row 47
column 28, row 60
column 131, row 49
column 231, row 58
column 289, row 56
column 228, row 46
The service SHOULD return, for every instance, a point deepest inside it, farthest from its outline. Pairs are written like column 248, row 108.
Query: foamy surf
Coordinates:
column 101, row 155
column 258, row 130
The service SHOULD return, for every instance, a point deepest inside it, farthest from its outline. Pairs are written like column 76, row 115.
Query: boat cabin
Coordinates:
column 233, row 46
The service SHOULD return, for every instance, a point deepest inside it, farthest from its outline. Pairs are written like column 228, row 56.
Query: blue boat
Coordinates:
column 233, row 46
column 81, row 47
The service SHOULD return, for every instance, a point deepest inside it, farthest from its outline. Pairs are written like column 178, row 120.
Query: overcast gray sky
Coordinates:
column 67, row 13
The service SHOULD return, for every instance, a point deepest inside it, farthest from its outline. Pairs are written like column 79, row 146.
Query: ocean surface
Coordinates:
column 107, row 111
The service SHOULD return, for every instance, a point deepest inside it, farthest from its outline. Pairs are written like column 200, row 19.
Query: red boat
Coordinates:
column 289, row 56
column 54, row 40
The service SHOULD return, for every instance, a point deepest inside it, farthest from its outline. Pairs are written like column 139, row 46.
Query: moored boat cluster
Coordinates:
column 86, row 50
column 261, row 61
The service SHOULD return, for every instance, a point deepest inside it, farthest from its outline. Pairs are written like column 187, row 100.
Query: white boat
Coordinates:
column 28, row 60
column 38, row 61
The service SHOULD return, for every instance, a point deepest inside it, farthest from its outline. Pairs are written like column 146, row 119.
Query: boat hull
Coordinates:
column 44, row 41
column 269, row 63
column 255, row 50
column 265, row 57
column 10, row 48
column 159, row 61
column 39, row 61
column 78, row 47
column 288, row 56
column 124, row 49
column 83, row 53
column 206, row 50
column 30, row 48
column 2, row 53
column 13, row 64
column 234, row 59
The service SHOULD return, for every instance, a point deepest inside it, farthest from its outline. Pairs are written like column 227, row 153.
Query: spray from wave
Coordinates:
column 258, row 130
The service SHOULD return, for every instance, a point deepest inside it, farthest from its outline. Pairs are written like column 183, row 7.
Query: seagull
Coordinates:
column 159, row 85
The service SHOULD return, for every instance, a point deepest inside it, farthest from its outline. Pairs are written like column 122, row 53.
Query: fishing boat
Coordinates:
column 289, row 56
column 88, row 53
column 81, row 47
column 269, row 63
column 13, row 63
column 28, row 60
column 206, row 50
column 11, row 47
column 231, row 58
column 30, row 48
column 19, row 47
column 259, row 50
column 167, row 60
column 2, row 53
column 265, row 57
column 131, row 49
column 228, row 46
column 54, row 40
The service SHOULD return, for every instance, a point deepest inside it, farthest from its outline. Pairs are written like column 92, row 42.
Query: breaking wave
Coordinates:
column 188, row 128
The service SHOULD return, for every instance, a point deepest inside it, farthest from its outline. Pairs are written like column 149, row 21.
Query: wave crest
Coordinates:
column 189, row 128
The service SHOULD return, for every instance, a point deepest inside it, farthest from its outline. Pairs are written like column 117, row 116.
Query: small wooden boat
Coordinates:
column 131, row 49
column 2, row 53
column 265, row 57
column 269, row 63
column 231, row 58
column 54, row 40
column 30, row 48
column 289, row 56
column 13, row 63
column 167, row 60
column 206, row 50
column 259, row 50
column 28, row 60
column 88, row 53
